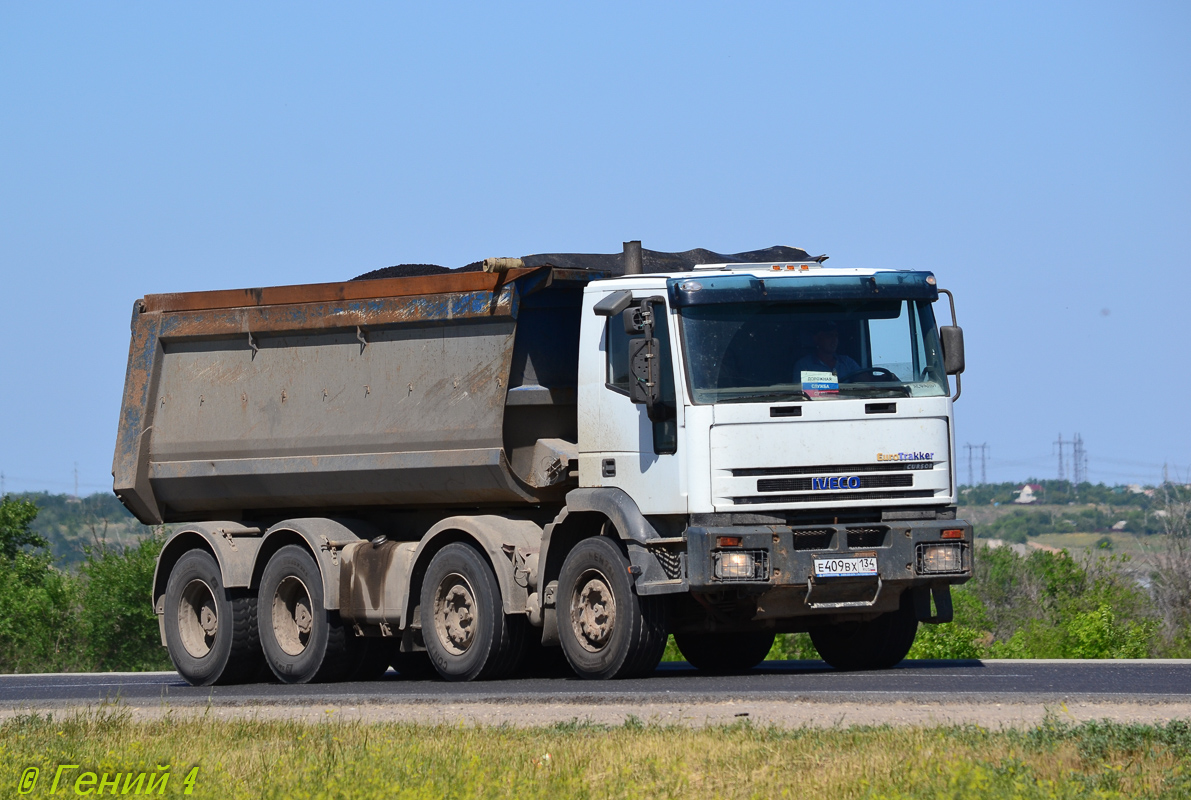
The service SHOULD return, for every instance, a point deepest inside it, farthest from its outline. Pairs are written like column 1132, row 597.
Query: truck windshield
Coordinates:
column 750, row 352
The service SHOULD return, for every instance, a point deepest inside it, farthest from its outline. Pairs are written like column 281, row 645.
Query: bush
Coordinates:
column 117, row 616
column 98, row 618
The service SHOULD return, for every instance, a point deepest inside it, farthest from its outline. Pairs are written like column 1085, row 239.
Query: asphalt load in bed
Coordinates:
column 609, row 263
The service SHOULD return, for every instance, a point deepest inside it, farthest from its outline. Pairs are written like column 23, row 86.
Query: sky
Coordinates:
column 1034, row 156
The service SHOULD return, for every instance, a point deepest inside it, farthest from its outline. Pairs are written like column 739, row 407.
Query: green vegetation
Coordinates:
column 95, row 617
column 1048, row 605
column 70, row 525
column 257, row 759
column 1061, row 493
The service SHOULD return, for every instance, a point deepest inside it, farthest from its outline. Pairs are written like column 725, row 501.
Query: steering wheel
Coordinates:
column 871, row 375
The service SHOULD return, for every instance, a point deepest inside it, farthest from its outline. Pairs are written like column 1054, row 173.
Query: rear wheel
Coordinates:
column 466, row 632
column 724, row 653
column 303, row 642
column 877, row 644
column 605, row 628
column 210, row 632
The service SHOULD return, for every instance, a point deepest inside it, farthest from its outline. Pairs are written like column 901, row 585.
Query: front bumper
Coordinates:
column 777, row 563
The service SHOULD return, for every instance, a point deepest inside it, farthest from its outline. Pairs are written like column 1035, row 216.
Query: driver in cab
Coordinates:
column 825, row 358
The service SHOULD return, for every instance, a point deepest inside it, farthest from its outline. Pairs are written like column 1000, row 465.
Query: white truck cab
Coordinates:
column 790, row 424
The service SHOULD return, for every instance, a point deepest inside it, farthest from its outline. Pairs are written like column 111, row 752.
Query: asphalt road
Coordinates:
column 912, row 681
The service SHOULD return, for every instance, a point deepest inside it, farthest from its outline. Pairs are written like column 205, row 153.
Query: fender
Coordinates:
column 500, row 538
column 235, row 547
column 325, row 538
column 615, row 504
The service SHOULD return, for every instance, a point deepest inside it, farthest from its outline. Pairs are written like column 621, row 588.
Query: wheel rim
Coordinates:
column 198, row 618
column 293, row 615
column 455, row 614
column 593, row 611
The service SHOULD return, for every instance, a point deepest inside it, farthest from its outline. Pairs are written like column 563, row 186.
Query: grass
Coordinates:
column 280, row 759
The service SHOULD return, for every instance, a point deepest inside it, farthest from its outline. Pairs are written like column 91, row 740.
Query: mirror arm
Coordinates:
column 951, row 301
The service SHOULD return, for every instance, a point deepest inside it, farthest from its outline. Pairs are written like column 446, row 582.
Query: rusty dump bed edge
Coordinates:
column 445, row 283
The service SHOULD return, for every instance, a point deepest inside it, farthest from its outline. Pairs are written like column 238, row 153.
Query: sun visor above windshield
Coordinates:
column 707, row 289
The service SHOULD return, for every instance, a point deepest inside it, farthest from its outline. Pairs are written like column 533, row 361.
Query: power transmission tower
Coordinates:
column 984, row 463
column 1079, row 457
column 971, row 474
column 2, row 492
column 76, row 480
column 1062, row 471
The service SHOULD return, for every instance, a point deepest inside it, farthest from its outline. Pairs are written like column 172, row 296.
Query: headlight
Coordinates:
column 741, row 565
column 934, row 559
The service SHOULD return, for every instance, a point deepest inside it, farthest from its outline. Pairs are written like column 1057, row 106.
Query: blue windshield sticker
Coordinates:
column 820, row 383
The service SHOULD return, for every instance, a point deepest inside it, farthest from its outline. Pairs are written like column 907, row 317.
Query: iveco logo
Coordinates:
column 818, row 484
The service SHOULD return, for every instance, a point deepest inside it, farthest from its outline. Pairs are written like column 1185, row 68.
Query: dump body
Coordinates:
column 446, row 390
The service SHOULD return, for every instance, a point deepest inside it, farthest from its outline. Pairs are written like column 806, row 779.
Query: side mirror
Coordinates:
column 951, row 337
column 644, row 386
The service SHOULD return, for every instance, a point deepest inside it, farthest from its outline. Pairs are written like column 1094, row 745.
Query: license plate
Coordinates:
column 845, row 567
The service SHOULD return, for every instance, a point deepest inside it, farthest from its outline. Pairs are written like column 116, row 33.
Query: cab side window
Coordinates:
column 616, row 346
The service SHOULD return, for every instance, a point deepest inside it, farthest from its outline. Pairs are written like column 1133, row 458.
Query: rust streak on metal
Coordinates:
column 444, row 283
column 316, row 316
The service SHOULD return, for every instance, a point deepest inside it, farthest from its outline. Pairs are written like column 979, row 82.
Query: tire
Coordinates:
column 466, row 632
column 606, row 629
column 877, row 644
column 302, row 641
column 724, row 653
column 210, row 632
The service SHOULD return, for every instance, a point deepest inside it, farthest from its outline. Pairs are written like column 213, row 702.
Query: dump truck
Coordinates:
column 477, row 473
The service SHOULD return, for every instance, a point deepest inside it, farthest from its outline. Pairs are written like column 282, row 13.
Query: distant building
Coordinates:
column 1025, row 495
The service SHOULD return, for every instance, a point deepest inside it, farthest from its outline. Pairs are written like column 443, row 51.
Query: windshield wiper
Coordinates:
column 774, row 395
column 904, row 391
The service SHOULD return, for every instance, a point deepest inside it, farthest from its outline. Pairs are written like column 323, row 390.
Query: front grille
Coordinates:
column 819, row 497
column 807, row 484
column 861, row 538
column 835, row 469
column 812, row 538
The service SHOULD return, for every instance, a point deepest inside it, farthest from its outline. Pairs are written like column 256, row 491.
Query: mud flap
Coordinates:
column 943, row 611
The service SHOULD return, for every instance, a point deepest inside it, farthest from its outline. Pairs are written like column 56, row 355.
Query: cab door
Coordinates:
column 621, row 446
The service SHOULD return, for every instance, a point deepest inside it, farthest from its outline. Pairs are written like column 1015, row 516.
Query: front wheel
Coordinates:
column 724, row 653
column 606, row 629
column 877, row 644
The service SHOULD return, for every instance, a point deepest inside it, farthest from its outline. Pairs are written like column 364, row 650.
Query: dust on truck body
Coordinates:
column 464, row 471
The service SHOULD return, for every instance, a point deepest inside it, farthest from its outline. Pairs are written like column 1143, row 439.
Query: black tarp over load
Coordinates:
column 610, row 263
